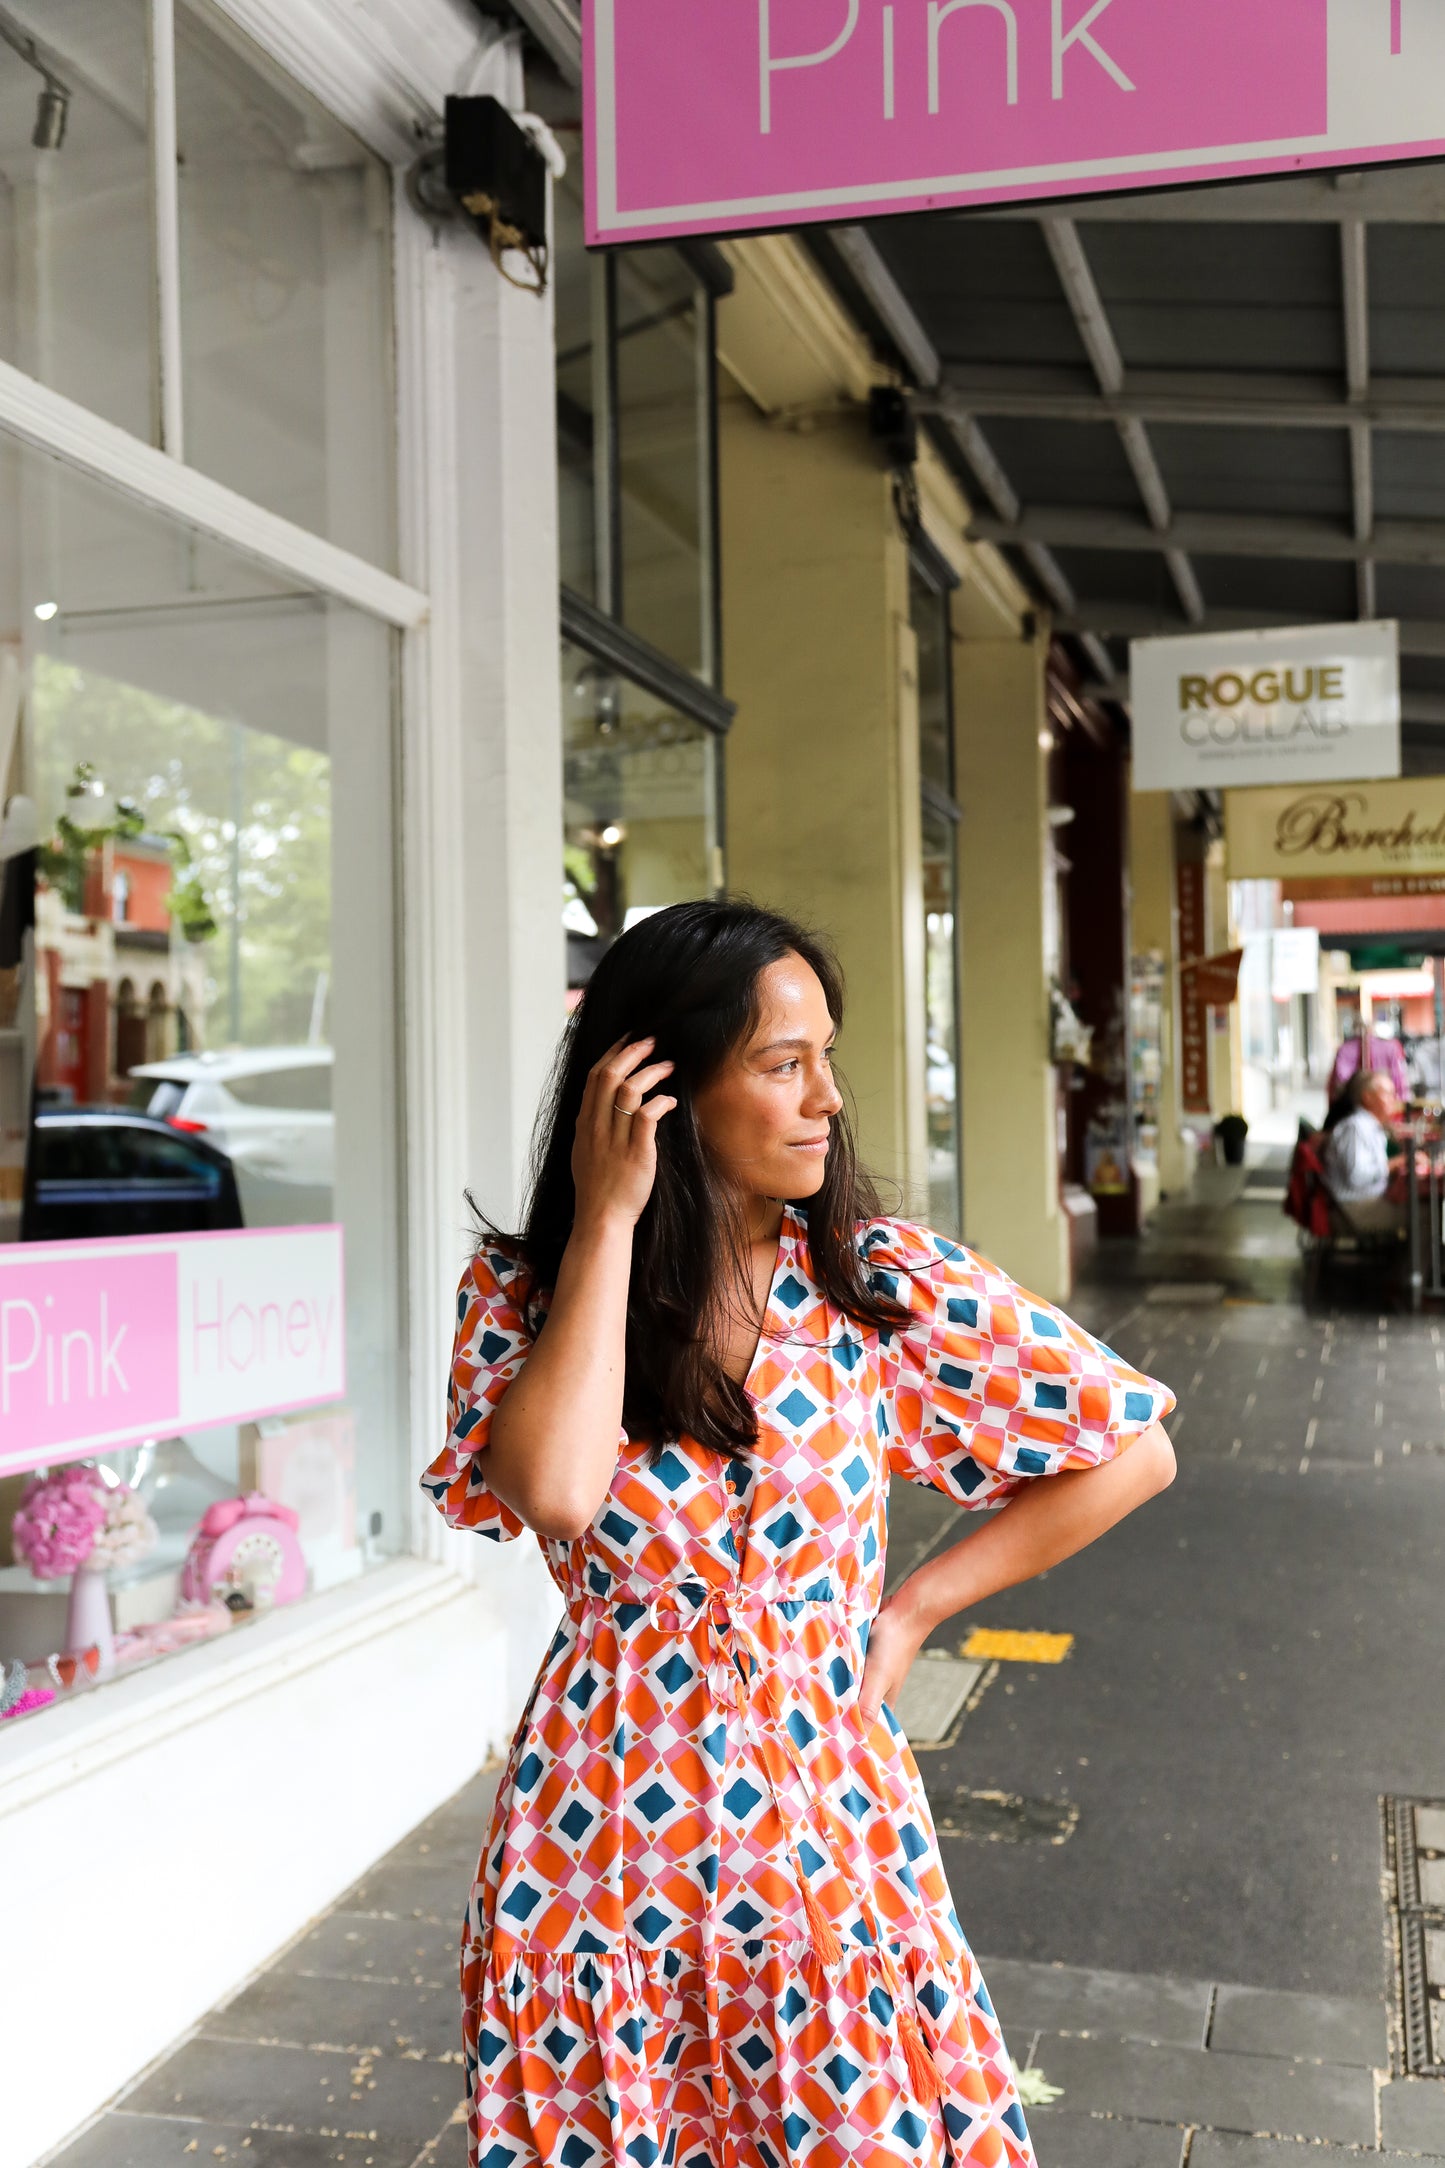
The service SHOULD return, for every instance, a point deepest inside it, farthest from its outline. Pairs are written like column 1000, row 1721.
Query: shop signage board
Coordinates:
column 103, row 1343
column 1294, row 961
column 1377, row 838
column 721, row 115
column 1193, row 1009
column 1318, row 703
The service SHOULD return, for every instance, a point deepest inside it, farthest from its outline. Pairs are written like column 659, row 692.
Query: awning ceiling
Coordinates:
column 1210, row 407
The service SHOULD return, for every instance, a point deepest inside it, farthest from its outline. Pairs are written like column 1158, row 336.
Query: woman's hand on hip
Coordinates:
column 614, row 1154
column 893, row 1642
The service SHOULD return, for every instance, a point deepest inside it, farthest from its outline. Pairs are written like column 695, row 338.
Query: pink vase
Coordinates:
column 87, row 1620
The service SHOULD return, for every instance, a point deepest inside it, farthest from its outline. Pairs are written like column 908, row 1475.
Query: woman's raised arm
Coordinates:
column 553, row 1444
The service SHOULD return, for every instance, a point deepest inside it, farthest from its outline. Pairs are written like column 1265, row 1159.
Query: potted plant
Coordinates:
column 1231, row 1131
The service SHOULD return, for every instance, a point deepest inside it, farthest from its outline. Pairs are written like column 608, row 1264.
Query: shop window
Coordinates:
column 284, row 292
column 929, row 587
column 581, row 494
column 76, row 232
column 639, row 783
column 662, row 330
column 214, row 1125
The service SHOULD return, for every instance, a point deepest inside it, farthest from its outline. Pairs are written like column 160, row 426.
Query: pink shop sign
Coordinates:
column 719, row 115
column 102, row 1343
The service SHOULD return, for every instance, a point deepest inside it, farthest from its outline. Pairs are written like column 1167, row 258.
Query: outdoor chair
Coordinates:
column 1328, row 1234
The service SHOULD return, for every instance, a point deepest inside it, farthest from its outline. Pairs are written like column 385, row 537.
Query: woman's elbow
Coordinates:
column 1157, row 1455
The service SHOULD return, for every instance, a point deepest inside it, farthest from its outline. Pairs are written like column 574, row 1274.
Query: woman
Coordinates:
column 711, row 1926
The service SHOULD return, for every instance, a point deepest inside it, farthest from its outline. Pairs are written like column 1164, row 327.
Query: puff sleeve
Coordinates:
column 493, row 1338
column 986, row 1385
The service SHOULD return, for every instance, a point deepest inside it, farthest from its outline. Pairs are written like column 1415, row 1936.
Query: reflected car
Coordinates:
column 94, row 1171
column 268, row 1109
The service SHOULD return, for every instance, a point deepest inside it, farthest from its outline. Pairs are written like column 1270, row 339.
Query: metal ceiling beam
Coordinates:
column 1219, row 400
column 1091, row 318
column 1218, row 534
column 1394, row 195
column 1355, row 303
column 895, row 312
column 1136, row 621
column 557, row 27
column 859, row 253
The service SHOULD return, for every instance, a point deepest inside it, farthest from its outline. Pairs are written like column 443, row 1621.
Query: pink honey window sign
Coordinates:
column 88, row 1349
column 106, row 1342
column 758, row 105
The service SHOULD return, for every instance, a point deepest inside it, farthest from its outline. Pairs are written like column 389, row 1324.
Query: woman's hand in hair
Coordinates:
column 614, row 1154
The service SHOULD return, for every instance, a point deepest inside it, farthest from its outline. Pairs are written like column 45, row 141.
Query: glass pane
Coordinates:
column 196, row 964
column 576, row 285
column 940, row 887
column 639, row 785
column 75, row 219
column 285, row 293
column 930, row 615
column 661, row 402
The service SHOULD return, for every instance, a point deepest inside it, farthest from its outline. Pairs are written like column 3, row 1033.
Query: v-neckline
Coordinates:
column 784, row 1237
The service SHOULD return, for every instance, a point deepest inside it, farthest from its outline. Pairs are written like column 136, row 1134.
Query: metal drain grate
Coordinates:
column 1415, row 1837
column 934, row 1696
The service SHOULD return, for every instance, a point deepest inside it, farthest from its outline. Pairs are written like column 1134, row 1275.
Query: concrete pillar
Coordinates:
column 822, row 762
column 1010, row 1135
column 1151, row 872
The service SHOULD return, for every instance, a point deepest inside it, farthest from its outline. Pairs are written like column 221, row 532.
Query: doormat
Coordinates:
column 1415, row 1878
column 1186, row 1291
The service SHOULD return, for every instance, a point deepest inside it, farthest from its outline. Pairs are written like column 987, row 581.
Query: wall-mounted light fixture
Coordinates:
column 52, row 108
column 488, row 170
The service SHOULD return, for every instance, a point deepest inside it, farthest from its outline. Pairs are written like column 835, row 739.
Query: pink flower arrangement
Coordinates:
column 57, row 1522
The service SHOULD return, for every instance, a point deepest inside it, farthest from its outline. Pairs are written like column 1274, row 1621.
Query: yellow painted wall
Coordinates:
column 1155, row 926
column 1010, row 1160
column 822, row 767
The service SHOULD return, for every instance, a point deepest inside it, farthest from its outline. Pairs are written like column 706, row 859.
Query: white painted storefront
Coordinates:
column 168, row 1831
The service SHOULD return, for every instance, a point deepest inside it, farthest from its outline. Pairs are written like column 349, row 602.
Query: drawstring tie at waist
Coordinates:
column 758, row 1700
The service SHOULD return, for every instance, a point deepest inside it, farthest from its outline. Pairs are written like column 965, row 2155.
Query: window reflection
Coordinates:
column 662, row 397
column 640, row 794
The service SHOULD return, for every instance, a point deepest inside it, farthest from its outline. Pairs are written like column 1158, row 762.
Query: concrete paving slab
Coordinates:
column 294, row 2009
column 1062, row 2140
column 1245, row 2093
column 1214, row 2149
column 1412, row 2115
column 1432, row 1883
column 363, row 1945
column 1316, row 2028
column 1075, row 1999
column 450, row 2149
column 119, row 2140
column 327, row 2095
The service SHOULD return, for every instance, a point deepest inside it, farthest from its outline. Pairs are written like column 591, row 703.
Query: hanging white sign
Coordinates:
column 1320, row 703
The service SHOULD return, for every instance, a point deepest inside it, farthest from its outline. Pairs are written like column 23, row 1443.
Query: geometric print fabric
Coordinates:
column 691, row 1790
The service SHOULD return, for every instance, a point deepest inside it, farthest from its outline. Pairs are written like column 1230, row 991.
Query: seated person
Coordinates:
column 1356, row 1152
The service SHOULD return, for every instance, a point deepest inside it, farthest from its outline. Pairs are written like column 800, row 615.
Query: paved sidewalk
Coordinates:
column 347, row 2049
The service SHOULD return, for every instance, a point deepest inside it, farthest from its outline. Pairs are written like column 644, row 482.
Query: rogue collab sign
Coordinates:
column 1318, row 704
column 719, row 115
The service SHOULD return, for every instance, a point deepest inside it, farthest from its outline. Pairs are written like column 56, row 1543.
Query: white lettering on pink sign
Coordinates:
column 717, row 115
column 101, row 1342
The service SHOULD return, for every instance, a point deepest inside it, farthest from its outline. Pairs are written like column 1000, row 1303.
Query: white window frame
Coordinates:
column 383, row 69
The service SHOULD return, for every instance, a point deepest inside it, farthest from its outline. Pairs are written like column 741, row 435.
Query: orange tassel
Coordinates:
column 823, row 1934
column 922, row 2069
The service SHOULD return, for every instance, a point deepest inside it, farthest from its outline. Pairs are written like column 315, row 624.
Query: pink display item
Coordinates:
column 720, row 115
column 34, row 1697
column 57, row 1522
column 247, row 1545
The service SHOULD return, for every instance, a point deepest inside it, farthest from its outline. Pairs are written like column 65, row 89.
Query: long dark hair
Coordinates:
column 689, row 976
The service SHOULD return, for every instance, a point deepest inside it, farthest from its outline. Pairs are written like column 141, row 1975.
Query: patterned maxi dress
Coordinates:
column 710, row 1926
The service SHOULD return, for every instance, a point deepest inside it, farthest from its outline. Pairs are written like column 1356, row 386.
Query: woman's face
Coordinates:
column 766, row 1115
